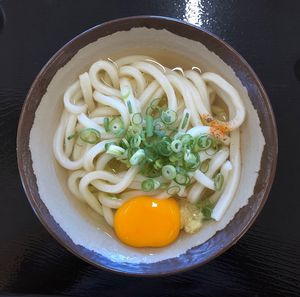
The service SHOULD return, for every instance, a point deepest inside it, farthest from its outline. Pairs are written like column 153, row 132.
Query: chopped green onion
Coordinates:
column 90, row 135
column 158, row 164
column 164, row 148
column 158, row 125
column 169, row 172
column 133, row 130
column 137, row 157
column 120, row 132
column 135, row 141
column 184, row 121
column 207, row 211
column 116, row 126
column 137, row 118
column 125, row 93
column 150, row 153
column 204, row 166
column 186, row 139
column 168, row 116
column 182, row 179
column 150, row 184
column 155, row 102
column 149, row 125
column 71, row 136
column 176, row 146
column 189, row 157
column 203, row 142
column 115, row 150
column 218, row 181
column 173, row 190
column 124, row 143
column 106, row 124
column 129, row 105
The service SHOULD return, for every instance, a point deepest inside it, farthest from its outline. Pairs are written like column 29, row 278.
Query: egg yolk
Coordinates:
column 148, row 222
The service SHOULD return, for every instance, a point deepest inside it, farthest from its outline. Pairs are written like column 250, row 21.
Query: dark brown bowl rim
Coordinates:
column 187, row 260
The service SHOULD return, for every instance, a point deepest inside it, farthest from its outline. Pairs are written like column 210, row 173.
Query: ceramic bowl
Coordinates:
column 72, row 223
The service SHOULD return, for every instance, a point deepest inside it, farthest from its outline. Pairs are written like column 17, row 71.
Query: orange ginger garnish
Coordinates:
column 218, row 128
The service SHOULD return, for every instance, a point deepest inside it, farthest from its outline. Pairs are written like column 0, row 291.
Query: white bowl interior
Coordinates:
column 82, row 225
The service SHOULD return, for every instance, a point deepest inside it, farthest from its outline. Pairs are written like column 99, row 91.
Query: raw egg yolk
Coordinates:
column 148, row 222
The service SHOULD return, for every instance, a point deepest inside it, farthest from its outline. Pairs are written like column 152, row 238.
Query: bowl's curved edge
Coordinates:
column 29, row 180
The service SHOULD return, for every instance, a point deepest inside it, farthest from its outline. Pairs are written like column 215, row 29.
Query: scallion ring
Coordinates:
column 218, row 181
column 137, row 118
column 204, row 166
column 169, row 172
column 90, row 135
column 116, row 126
column 176, row 146
column 106, row 124
column 173, row 190
column 168, row 116
column 150, row 184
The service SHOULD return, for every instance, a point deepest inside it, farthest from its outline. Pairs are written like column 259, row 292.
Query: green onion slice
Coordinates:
column 218, row 181
column 116, row 126
column 182, row 179
column 169, row 172
column 71, row 136
column 129, row 106
column 124, row 143
column 137, row 118
column 204, row 166
column 173, row 190
column 150, row 184
column 176, row 146
column 185, row 120
column 137, row 157
column 168, row 116
column 135, row 141
column 106, row 124
column 149, row 125
column 90, row 135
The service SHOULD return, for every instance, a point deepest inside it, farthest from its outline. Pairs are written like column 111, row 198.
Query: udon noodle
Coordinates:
column 134, row 127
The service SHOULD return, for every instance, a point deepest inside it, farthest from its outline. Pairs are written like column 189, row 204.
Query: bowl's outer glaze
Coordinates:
column 223, row 239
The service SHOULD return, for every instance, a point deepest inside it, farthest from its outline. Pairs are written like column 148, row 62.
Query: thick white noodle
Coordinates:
column 103, row 111
column 112, row 72
column 71, row 97
column 104, row 91
column 87, row 91
column 73, row 183
column 162, row 80
column 70, row 131
column 178, row 84
column 199, row 83
column 225, row 171
column 97, row 176
column 58, row 146
column 234, row 178
column 116, row 103
column 204, row 180
column 148, row 93
column 221, row 86
column 215, row 164
column 137, row 75
column 90, row 155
